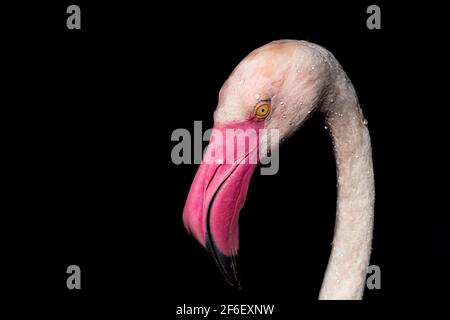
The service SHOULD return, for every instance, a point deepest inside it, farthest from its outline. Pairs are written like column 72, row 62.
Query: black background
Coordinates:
column 88, row 125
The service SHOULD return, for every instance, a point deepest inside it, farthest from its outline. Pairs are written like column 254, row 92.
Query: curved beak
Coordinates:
column 219, row 190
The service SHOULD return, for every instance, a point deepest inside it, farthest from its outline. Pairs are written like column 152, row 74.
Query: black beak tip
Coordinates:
column 228, row 266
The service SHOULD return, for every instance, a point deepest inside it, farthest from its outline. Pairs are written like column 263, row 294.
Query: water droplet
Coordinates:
column 309, row 111
column 298, row 70
column 257, row 96
column 326, row 128
column 284, row 116
column 281, row 103
column 241, row 82
column 365, row 122
column 312, row 68
column 338, row 280
column 332, row 100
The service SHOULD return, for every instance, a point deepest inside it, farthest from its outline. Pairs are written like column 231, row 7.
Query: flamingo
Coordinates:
column 278, row 86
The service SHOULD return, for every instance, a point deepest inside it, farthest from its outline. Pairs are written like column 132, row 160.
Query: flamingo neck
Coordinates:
column 345, row 276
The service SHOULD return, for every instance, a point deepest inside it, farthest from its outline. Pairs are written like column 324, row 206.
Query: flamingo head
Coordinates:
column 275, row 87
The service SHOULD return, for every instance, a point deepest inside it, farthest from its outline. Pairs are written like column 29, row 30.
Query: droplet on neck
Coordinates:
column 312, row 68
column 241, row 82
column 298, row 71
column 331, row 100
column 257, row 96
column 364, row 122
column 284, row 116
column 337, row 113
column 281, row 103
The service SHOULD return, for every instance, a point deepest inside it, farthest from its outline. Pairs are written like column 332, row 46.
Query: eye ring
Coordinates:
column 262, row 109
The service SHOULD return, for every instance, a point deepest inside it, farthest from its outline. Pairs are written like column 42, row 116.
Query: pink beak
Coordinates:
column 219, row 189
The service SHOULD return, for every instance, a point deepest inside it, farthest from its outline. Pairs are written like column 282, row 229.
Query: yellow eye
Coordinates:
column 262, row 110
